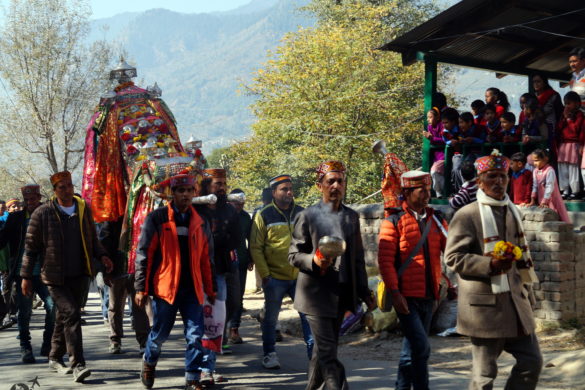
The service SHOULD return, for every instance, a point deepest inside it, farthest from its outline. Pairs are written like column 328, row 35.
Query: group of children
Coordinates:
column 552, row 134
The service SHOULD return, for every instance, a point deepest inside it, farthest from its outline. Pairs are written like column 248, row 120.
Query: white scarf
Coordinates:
column 491, row 237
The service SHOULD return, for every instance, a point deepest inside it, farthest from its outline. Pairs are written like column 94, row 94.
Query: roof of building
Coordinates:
column 507, row 36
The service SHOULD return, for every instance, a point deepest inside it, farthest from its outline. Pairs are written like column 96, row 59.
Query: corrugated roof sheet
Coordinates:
column 512, row 36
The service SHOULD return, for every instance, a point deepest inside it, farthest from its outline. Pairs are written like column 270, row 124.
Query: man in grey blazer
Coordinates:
column 496, row 317
column 328, row 287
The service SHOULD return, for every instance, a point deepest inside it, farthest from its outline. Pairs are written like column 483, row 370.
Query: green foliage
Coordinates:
column 328, row 93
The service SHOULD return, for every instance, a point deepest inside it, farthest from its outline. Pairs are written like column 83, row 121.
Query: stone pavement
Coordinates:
column 243, row 369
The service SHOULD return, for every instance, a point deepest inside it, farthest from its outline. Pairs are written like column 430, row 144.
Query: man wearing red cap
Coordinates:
column 495, row 299
column 62, row 235
column 13, row 235
column 328, row 287
column 411, row 241
column 173, row 266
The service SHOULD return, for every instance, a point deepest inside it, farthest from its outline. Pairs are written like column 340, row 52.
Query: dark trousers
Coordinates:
column 68, row 299
column 413, row 370
column 525, row 373
column 9, row 294
column 236, row 319
column 325, row 370
column 233, row 299
column 120, row 289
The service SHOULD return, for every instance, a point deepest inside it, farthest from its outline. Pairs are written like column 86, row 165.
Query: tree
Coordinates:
column 52, row 80
column 328, row 93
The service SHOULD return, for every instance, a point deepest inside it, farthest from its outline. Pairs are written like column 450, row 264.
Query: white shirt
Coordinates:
column 68, row 210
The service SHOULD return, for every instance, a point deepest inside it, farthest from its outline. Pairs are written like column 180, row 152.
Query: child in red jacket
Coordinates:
column 571, row 137
column 521, row 180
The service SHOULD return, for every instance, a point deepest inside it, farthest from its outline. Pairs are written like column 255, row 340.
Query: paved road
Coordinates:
column 242, row 369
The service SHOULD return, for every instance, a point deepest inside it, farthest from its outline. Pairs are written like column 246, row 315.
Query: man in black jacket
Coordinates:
column 13, row 235
column 225, row 228
column 328, row 287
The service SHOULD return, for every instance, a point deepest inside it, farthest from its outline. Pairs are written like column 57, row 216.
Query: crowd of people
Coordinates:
column 549, row 129
column 191, row 256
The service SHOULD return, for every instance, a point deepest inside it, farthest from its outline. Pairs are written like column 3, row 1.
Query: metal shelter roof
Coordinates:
column 507, row 36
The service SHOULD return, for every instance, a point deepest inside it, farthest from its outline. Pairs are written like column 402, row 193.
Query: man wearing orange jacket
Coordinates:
column 173, row 266
column 414, row 293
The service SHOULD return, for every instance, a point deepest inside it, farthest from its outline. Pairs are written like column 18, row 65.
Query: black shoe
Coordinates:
column 27, row 356
column 147, row 375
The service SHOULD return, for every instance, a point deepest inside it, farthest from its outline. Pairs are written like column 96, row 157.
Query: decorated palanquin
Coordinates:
column 132, row 148
column 393, row 169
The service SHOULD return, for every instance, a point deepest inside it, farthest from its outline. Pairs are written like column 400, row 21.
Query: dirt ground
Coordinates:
column 451, row 354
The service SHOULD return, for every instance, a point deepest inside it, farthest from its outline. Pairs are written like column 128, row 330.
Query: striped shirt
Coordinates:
column 465, row 196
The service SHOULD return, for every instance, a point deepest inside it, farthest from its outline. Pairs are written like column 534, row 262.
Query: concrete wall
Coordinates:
column 558, row 252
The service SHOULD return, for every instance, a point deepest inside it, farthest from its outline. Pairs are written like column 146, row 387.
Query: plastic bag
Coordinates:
column 214, row 322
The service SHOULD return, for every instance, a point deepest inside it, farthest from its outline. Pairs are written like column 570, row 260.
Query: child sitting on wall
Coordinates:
column 477, row 107
column 545, row 190
column 510, row 132
column 434, row 134
column 468, row 191
column 492, row 123
column 521, row 180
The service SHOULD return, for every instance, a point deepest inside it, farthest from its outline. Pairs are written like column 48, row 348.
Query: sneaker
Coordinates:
column 27, row 356
column 270, row 361
column 278, row 338
column 115, row 348
column 147, row 375
column 206, row 378
column 572, row 197
column 235, row 337
column 193, row 385
column 141, row 351
column 80, row 372
column 226, row 349
column 60, row 367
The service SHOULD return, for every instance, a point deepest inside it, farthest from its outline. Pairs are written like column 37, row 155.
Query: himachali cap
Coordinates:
column 182, row 180
column 414, row 179
column 329, row 166
column 218, row 173
column 60, row 176
column 276, row 180
column 30, row 189
column 495, row 161
column 11, row 201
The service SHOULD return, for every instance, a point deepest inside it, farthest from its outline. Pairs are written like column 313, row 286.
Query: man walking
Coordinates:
column 62, row 234
column 328, row 287
column 269, row 243
column 494, row 306
column 244, row 264
column 411, row 240
column 224, row 222
column 13, row 234
column 122, row 286
column 173, row 266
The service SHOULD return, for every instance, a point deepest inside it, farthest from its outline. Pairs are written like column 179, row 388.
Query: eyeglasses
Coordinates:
column 180, row 190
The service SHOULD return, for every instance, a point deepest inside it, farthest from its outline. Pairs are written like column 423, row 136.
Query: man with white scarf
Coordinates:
column 495, row 295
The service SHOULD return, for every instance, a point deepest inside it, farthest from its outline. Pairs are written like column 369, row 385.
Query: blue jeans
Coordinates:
column 209, row 356
column 274, row 292
column 164, row 318
column 105, row 300
column 413, row 370
column 25, row 312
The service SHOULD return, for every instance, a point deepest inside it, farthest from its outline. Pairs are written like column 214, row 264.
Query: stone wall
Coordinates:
column 558, row 252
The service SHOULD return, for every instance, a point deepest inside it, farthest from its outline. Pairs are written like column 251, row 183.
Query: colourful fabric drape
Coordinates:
column 393, row 169
column 89, row 160
column 109, row 195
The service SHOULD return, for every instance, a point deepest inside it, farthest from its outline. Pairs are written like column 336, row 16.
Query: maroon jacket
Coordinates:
column 521, row 187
